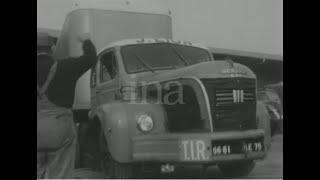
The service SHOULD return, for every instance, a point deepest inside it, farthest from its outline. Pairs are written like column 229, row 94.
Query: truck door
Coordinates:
column 108, row 77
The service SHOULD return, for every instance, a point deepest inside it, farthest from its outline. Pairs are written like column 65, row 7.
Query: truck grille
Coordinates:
column 232, row 103
column 228, row 96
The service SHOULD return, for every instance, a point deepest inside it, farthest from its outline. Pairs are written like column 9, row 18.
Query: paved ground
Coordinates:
column 271, row 167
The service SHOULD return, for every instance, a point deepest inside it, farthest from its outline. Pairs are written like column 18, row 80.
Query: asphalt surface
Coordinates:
column 269, row 168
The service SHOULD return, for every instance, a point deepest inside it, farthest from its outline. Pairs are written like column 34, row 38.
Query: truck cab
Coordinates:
column 167, row 102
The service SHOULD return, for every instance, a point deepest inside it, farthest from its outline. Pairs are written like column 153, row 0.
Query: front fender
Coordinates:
column 118, row 123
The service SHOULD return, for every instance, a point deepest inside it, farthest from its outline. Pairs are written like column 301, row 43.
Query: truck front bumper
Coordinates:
column 169, row 147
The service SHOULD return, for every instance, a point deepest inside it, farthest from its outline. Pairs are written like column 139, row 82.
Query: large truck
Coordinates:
column 158, row 102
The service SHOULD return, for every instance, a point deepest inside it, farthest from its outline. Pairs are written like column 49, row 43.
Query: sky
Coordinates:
column 249, row 25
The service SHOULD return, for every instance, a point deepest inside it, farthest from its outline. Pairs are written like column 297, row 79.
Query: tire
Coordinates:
column 264, row 122
column 281, row 126
column 121, row 170
column 273, row 127
column 112, row 168
column 236, row 169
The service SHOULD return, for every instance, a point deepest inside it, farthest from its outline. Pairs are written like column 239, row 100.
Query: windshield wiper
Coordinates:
column 179, row 55
column 142, row 62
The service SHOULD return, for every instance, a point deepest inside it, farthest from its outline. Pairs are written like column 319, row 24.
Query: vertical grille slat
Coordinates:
column 232, row 103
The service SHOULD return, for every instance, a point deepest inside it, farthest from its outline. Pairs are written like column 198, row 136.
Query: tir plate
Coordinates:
column 195, row 150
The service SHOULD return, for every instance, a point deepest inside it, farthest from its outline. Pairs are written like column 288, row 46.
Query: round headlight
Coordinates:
column 145, row 123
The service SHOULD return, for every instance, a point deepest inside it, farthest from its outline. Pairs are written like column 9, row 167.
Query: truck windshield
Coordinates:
column 161, row 56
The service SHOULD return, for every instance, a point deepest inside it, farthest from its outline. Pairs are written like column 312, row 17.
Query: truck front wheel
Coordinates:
column 116, row 170
column 236, row 169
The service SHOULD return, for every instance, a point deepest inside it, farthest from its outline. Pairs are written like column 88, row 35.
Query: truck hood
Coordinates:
column 211, row 69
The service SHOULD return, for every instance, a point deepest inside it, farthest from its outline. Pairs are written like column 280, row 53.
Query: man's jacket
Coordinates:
column 62, row 87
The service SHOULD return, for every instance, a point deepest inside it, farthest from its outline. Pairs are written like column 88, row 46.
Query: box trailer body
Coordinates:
column 106, row 26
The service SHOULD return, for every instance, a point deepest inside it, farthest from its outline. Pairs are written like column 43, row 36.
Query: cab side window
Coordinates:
column 108, row 68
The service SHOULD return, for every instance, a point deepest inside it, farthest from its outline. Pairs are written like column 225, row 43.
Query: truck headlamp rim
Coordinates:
column 145, row 123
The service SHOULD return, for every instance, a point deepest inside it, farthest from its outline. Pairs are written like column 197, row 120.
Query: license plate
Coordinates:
column 204, row 150
column 236, row 146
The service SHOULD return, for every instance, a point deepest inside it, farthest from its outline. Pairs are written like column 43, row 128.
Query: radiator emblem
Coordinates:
column 237, row 96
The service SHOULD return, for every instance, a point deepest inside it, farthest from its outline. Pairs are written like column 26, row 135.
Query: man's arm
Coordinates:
column 76, row 67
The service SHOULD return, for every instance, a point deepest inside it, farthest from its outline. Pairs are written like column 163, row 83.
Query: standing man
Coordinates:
column 56, row 131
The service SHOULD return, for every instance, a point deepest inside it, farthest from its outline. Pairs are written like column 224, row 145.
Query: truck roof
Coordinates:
column 152, row 41
column 120, row 5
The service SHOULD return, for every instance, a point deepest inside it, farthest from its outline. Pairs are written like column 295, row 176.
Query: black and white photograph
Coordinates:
column 159, row 89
